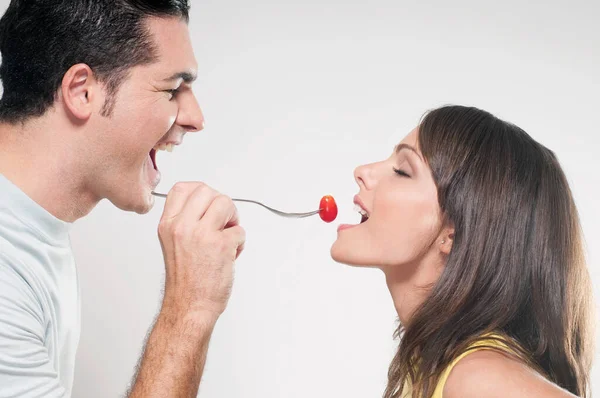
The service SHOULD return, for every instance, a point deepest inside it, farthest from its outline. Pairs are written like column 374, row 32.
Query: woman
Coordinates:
column 474, row 225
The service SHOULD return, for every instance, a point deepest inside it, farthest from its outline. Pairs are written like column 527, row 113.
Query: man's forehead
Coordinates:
column 173, row 49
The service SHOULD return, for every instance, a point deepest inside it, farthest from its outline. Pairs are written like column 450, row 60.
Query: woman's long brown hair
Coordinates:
column 517, row 265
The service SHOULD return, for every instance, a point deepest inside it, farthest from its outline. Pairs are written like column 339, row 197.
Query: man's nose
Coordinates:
column 190, row 116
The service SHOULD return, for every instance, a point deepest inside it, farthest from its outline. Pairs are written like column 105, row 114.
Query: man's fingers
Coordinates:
column 237, row 238
column 240, row 249
column 177, row 197
column 198, row 202
column 221, row 214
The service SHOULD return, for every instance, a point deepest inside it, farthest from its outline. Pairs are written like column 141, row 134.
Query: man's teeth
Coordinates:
column 164, row 147
column 360, row 210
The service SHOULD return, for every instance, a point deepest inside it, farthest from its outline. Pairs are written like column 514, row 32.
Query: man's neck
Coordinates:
column 44, row 166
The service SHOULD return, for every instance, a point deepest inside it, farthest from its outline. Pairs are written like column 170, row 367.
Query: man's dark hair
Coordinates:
column 41, row 39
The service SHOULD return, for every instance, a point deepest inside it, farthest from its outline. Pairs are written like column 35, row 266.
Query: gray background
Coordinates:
column 297, row 94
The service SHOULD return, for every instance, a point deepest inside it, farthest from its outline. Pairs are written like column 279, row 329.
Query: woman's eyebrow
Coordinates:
column 400, row 147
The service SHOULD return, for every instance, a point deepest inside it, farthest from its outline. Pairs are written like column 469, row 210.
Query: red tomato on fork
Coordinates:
column 328, row 209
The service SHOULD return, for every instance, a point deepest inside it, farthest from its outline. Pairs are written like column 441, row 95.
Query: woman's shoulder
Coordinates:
column 487, row 369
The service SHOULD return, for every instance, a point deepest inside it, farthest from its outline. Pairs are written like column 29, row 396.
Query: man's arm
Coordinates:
column 201, row 239
column 25, row 366
column 174, row 357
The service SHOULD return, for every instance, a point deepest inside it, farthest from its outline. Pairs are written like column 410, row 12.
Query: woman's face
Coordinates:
column 404, row 218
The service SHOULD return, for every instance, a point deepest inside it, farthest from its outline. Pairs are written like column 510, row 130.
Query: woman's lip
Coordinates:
column 359, row 202
column 346, row 226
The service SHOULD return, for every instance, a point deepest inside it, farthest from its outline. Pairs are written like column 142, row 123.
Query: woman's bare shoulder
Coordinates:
column 490, row 373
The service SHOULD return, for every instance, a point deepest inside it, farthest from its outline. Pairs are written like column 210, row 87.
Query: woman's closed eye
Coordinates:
column 401, row 172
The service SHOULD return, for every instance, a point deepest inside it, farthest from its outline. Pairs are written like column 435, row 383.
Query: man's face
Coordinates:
column 154, row 107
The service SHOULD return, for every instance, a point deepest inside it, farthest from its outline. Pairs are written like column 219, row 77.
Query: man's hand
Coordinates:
column 201, row 239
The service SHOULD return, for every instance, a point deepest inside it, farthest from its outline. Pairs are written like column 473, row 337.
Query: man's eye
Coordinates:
column 173, row 93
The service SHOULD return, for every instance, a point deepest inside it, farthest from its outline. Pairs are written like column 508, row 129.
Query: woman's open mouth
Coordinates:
column 363, row 213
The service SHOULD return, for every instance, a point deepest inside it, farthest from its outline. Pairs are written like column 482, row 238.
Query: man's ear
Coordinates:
column 79, row 90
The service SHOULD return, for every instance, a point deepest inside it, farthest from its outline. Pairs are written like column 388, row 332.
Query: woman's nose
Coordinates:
column 365, row 176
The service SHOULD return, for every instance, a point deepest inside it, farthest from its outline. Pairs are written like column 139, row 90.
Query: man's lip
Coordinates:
column 171, row 138
column 359, row 202
column 168, row 143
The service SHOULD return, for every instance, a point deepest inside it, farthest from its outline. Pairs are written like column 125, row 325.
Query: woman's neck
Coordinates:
column 410, row 284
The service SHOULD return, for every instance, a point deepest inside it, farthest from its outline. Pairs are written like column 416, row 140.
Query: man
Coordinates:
column 92, row 89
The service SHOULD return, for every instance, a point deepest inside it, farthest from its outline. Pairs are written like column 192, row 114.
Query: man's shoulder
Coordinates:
column 12, row 266
column 17, row 283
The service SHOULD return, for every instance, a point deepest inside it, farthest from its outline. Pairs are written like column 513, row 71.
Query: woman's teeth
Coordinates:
column 164, row 147
column 360, row 210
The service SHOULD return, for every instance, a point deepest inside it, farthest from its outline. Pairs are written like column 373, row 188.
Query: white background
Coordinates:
column 296, row 94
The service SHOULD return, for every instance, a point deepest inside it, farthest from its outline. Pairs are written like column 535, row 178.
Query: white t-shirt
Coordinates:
column 39, row 299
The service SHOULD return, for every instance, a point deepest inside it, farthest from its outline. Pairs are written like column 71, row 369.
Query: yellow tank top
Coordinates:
column 483, row 344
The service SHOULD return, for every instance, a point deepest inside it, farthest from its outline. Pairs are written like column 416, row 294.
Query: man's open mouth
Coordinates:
column 160, row 147
column 153, row 157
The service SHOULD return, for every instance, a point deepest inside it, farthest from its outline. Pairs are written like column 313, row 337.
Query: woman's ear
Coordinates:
column 78, row 91
column 446, row 240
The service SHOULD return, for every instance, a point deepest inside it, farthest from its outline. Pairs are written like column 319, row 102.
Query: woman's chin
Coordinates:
column 345, row 255
column 336, row 255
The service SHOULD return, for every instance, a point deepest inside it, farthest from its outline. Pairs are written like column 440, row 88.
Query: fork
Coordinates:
column 278, row 212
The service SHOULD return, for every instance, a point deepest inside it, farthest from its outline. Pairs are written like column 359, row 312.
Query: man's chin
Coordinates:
column 140, row 203
column 143, row 209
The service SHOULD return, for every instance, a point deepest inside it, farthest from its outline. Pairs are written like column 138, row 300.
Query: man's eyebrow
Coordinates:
column 400, row 147
column 187, row 77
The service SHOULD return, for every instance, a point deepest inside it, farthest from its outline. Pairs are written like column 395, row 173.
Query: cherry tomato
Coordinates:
column 328, row 209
